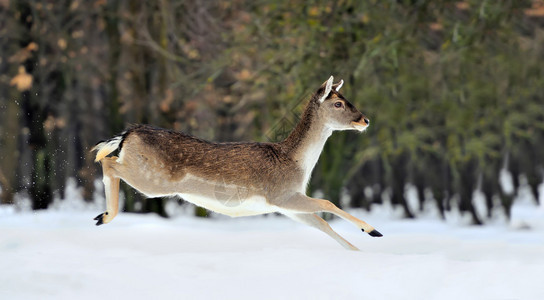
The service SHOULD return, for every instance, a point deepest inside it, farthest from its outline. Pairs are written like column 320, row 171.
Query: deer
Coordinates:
column 234, row 178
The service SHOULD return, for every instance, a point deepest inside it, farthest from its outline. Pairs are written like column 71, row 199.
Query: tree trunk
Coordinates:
column 9, row 157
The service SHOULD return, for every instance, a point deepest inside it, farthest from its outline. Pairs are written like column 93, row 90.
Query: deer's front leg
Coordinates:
column 318, row 222
column 111, row 187
column 300, row 203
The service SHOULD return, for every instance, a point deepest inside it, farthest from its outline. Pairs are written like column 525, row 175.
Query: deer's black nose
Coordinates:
column 367, row 121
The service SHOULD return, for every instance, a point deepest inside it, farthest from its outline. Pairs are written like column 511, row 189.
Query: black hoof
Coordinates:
column 100, row 219
column 375, row 233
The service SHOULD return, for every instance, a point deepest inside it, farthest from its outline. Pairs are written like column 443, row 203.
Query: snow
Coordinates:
column 60, row 254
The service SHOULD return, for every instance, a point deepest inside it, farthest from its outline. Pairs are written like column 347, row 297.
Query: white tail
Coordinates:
column 106, row 147
column 235, row 179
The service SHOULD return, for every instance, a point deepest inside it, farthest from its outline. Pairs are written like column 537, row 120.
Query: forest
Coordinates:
column 453, row 91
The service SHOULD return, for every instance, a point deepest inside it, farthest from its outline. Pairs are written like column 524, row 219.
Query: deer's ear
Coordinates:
column 327, row 85
column 338, row 86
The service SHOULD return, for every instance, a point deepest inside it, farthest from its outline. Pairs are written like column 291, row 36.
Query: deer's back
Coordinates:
column 176, row 155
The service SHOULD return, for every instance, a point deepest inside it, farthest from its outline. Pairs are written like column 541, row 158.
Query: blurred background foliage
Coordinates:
column 453, row 90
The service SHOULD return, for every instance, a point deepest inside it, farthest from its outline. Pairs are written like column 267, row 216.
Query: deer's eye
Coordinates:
column 338, row 104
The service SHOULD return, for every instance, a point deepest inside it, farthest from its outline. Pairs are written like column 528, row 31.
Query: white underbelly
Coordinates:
column 220, row 197
column 231, row 206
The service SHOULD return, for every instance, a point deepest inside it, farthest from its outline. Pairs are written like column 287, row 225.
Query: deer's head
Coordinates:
column 337, row 112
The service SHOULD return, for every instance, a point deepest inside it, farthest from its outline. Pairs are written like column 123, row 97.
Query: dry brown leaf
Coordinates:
column 24, row 53
column 22, row 81
column 62, row 43
column 536, row 10
column 4, row 3
column 74, row 5
column 167, row 101
column 99, row 3
column 51, row 123
column 245, row 74
column 32, row 46
column 462, row 5
column 436, row 26
column 313, row 11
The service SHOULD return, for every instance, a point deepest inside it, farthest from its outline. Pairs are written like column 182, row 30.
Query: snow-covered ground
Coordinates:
column 60, row 254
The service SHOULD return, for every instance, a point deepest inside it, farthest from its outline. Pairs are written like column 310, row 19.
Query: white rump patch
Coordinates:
column 107, row 147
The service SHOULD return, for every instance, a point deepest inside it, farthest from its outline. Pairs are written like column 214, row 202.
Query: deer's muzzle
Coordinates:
column 361, row 124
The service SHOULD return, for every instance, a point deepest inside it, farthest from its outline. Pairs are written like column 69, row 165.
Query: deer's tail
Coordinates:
column 106, row 147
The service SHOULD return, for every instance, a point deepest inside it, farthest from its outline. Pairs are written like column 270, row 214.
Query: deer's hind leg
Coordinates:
column 111, row 187
column 317, row 222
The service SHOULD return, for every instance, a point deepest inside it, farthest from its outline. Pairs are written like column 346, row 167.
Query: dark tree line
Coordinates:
column 453, row 90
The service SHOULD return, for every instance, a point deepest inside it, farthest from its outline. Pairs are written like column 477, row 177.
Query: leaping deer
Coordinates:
column 235, row 179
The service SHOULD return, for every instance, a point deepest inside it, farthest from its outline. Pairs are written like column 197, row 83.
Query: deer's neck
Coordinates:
column 306, row 142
